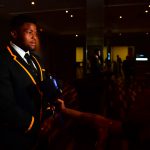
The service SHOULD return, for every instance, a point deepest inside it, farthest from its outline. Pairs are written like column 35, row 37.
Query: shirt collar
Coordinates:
column 20, row 51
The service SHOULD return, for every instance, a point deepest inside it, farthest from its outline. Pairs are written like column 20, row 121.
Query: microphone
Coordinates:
column 51, row 90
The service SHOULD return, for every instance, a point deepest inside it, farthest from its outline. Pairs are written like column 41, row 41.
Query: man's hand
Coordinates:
column 61, row 105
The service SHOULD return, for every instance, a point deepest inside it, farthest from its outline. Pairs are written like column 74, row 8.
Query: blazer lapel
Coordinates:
column 18, row 59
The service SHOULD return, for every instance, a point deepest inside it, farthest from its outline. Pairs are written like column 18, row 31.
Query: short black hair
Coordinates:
column 19, row 20
column 96, row 50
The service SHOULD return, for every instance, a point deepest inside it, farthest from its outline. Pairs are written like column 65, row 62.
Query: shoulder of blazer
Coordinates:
column 5, row 57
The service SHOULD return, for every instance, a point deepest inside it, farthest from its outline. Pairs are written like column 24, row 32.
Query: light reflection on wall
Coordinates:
column 122, row 51
column 79, row 54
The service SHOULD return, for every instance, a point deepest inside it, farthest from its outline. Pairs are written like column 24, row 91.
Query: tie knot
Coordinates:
column 28, row 58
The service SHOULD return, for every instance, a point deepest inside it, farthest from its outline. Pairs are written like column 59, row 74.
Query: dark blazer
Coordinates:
column 20, row 101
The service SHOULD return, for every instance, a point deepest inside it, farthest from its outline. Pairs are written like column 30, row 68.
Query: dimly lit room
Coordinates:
column 75, row 74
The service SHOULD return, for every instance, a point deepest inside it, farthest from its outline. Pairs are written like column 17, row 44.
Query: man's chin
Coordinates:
column 32, row 48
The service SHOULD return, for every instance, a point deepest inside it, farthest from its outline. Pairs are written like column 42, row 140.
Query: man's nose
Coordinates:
column 34, row 36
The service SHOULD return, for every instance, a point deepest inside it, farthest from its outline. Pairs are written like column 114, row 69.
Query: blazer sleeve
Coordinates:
column 11, row 115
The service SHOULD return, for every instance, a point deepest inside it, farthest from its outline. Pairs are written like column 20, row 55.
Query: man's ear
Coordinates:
column 13, row 34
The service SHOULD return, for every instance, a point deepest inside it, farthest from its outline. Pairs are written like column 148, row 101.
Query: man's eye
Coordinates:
column 29, row 32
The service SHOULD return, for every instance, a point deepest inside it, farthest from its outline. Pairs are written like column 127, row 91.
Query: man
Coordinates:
column 97, row 63
column 119, row 63
column 21, row 105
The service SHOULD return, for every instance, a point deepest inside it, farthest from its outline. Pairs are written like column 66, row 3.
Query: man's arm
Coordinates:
column 94, row 120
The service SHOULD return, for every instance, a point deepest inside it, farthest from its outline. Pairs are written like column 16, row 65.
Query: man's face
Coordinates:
column 26, row 36
column 98, row 52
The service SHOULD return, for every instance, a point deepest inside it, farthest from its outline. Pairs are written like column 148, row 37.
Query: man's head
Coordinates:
column 97, row 52
column 23, row 31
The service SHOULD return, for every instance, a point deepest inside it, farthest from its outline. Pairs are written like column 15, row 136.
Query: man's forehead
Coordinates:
column 28, row 26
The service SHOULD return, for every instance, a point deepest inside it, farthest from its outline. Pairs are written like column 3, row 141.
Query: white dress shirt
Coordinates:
column 21, row 52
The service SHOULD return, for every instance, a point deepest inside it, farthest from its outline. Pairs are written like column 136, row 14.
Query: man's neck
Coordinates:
column 20, row 46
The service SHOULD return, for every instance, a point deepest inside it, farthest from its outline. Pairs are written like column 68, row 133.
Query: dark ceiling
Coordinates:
column 134, row 17
column 50, row 13
column 53, row 18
